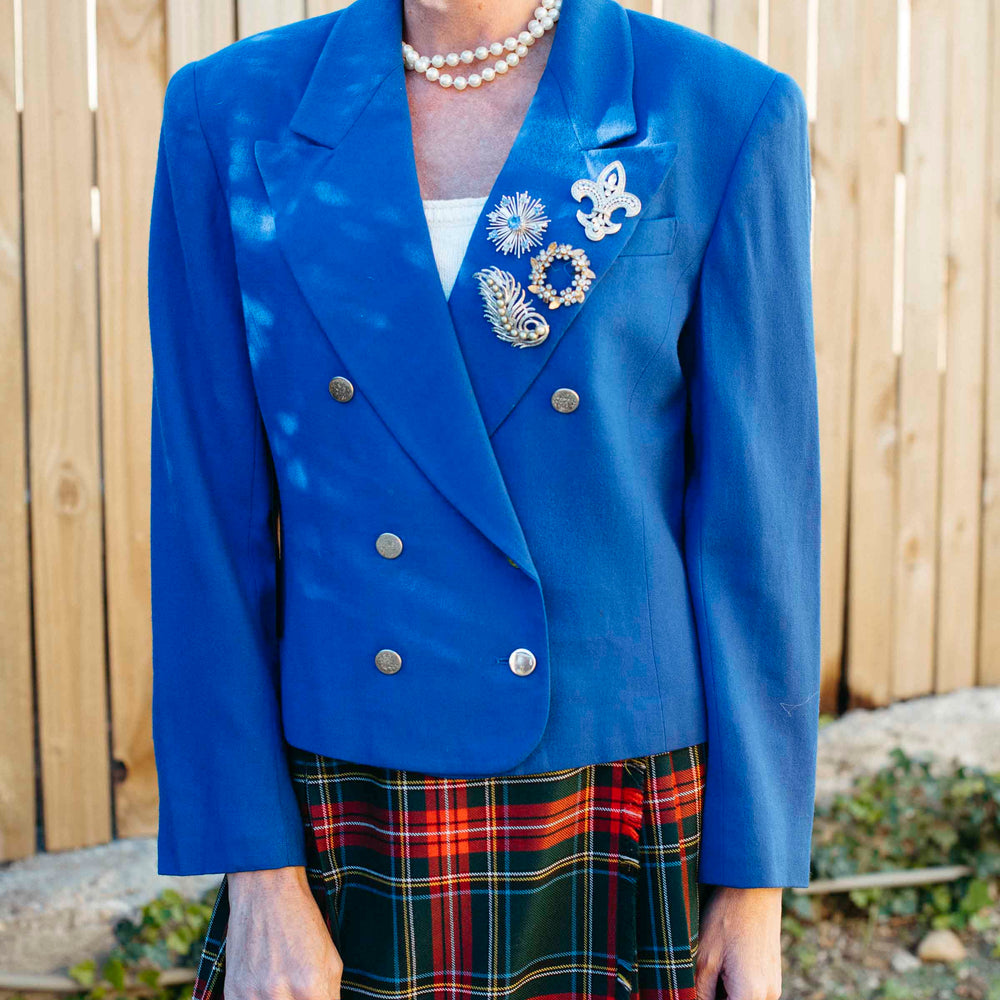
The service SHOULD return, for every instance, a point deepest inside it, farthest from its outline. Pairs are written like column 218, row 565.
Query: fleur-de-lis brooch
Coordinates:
column 607, row 194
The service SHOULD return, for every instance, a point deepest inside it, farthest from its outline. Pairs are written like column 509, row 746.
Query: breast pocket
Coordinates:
column 651, row 237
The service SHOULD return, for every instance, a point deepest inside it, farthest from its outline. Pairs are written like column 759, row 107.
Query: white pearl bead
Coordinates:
column 522, row 49
column 467, row 56
column 536, row 29
column 501, row 66
column 512, row 59
column 540, row 12
column 482, row 52
column 510, row 43
column 547, row 22
column 445, row 79
column 475, row 80
column 437, row 61
column 488, row 73
column 459, row 83
column 525, row 37
column 432, row 73
column 452, row 58
column 421, row 64
column 496, row 48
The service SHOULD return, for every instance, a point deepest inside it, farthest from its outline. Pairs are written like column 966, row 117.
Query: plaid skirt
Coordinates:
column 576, row 883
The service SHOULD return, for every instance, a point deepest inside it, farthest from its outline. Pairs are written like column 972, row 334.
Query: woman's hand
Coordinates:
column 739, row 944
column 277, row 943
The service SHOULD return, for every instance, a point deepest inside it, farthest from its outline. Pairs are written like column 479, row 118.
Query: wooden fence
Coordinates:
column 904, row 98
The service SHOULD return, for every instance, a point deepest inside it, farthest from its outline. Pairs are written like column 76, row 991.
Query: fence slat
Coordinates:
column 873, row 439
column 695, row 14
column 923, row 324
column 989, row 601
column 259, row 15
column 962, row 417
column 736, row 23
column 17, row 758
column 63, row 407
column 835, row 168
column 196, row 29
column 130, row 93
column 787, row 38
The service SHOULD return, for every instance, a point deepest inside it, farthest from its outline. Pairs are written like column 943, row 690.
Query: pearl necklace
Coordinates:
column 546, row 15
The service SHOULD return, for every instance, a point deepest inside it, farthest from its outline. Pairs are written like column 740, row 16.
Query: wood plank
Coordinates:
column 130, row 40
column 197, row 29
column 259, row 15
column 962, row 416
column 835, row 168
column 696, row 14
column 874, row 440
column 736, row 23
column 17, row 755
column 317, row 7
column 63, row 405
column 923, row 323
column 989, row 619
column 788, row 38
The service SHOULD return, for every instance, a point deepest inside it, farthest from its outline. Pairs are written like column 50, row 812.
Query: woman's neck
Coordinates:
column 453, row 25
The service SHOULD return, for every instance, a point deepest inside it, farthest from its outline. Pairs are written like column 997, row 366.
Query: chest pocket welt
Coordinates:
column 652, row 236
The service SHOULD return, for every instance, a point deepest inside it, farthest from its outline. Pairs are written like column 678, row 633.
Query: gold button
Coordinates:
column 389, row 545
column 341, row 389
column 522, row 662
column 388, row 661
column 565, row 400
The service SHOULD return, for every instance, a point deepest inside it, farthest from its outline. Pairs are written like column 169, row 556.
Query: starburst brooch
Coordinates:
column 517, row 223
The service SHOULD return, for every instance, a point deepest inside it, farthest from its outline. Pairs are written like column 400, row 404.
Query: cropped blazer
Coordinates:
column 384, row 533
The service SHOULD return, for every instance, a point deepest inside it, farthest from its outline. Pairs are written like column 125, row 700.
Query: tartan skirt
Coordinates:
column 576, row 883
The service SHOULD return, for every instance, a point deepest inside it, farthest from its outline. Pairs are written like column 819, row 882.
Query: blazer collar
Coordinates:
column 591, row 55
column 348, row 218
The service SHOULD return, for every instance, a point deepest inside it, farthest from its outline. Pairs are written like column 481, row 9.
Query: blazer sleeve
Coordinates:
column 752, row 506
column 226, row 801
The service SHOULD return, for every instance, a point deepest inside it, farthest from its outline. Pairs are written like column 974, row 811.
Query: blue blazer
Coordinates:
column 653, row 552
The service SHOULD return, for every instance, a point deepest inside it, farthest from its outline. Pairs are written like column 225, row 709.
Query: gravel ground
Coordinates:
column 59, row 907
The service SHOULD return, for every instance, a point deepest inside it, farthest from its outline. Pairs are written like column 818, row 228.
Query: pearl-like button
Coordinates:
column 389, row 545
column 522, row 662
column 341, row 389
column 565, row 400
column 388, row 661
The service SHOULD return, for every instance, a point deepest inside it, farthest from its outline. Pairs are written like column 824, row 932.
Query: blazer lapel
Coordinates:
column 347, row 216
column 345, row 198
column 575, row 127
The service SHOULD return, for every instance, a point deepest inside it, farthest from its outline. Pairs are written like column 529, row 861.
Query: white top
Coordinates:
column 451, row 221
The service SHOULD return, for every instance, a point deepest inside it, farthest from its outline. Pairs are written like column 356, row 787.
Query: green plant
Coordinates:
column 904, row 816
column 169, row 933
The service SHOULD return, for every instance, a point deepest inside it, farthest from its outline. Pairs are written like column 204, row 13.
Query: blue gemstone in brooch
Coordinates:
column 516, row 224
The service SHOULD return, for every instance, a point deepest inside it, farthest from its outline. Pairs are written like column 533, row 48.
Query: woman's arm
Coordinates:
column 226, row 798
column 752, row 506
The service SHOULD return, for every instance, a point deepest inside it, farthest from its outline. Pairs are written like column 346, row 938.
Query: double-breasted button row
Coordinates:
column 389, row 545
column 522, row 661
column 563, row 400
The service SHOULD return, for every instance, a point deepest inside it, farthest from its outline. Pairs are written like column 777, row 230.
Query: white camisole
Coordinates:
column 451, row 221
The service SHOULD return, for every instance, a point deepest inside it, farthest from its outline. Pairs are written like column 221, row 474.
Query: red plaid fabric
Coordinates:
column 574, row 884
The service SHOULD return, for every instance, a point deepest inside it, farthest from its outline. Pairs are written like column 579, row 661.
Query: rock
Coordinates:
column 941, row 946
column 59, row 907
column 962, row 726
column 903, row 961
